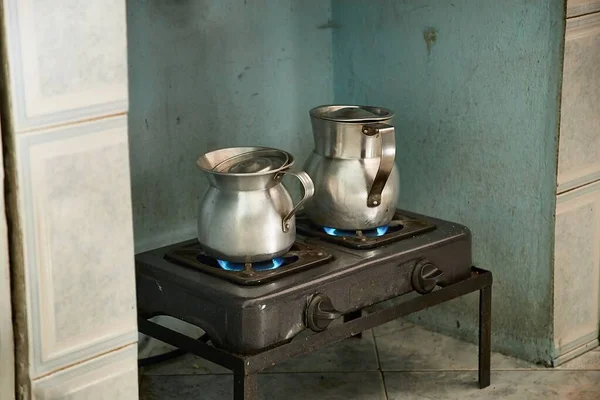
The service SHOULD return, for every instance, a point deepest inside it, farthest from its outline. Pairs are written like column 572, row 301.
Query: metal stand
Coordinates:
column 351, row 316
column 246, row 367
column 485, row 335
column 245, row 387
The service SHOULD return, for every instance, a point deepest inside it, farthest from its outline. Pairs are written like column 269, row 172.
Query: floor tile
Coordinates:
column 328, row 386
column 205, row 387
column 352, row 354
column 417, row 349
column 187, row 364
column 394, row 326
column 586, row 361
column 506, row 385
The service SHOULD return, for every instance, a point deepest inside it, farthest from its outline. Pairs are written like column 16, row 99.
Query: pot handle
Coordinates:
column 387, row 141
column 309, row 190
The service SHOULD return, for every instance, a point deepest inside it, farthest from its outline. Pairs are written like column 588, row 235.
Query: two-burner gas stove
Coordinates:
column 252, row 313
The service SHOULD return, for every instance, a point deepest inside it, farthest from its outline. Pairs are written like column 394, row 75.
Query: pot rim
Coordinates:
column 381, row 113
column 243, row 149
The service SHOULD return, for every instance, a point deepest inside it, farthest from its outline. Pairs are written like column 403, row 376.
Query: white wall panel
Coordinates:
column 580, row 7
column 110, row 377
column 76, row 206
column 577, row 269
column 579, row 143
column 67, row 60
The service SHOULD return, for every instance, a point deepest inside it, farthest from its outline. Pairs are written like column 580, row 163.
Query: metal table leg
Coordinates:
column 485, row 335
column 245, row 386
column 352, row 316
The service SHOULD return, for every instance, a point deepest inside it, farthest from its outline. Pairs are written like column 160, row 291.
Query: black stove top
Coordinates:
column 248, row 310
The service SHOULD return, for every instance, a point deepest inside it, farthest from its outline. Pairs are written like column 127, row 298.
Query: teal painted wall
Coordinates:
column 475, row 87
column 474, row 84
column 205, row 74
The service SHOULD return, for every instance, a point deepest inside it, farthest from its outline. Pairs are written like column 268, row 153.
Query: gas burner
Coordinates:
column 262, row 266
column 300, row 257
column 401, row 227
column 376, row 232
column 259, row 266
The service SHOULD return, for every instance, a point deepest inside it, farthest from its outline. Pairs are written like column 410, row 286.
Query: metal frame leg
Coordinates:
column 352, row 316
column 245, row 386
column 485, row 335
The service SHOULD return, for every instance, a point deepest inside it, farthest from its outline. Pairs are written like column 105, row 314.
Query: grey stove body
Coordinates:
column 249, row 311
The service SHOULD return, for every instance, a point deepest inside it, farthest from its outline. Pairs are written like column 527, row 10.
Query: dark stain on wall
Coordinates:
column 430, row 37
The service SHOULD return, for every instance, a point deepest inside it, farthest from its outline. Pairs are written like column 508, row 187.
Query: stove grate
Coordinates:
column 401, row 227
column 300, row 257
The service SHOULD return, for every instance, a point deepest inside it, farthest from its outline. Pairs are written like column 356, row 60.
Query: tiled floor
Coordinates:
column 390, row 363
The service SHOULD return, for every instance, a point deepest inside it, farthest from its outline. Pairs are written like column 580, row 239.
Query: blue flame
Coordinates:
column 379, row 231
column 229, row 266
column 260, row 266
column 330, row 231
column 269, row 265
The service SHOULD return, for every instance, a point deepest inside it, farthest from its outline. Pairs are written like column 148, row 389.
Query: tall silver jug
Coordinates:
column 352, row 167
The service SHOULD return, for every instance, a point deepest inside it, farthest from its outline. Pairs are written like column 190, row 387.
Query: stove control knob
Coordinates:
column 425, row 276
column 320, row 313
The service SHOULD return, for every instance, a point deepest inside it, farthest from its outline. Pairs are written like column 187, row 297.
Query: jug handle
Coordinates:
column 387, row 140
column 309, row 190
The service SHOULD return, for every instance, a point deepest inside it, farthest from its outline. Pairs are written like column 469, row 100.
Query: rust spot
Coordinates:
column 430, row 37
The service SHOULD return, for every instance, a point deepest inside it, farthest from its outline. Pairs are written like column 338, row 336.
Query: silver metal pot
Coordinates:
column 352, row 166
column 247, row 215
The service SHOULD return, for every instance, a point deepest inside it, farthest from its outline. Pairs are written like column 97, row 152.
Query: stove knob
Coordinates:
column 320, row 313
column 425, row 276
